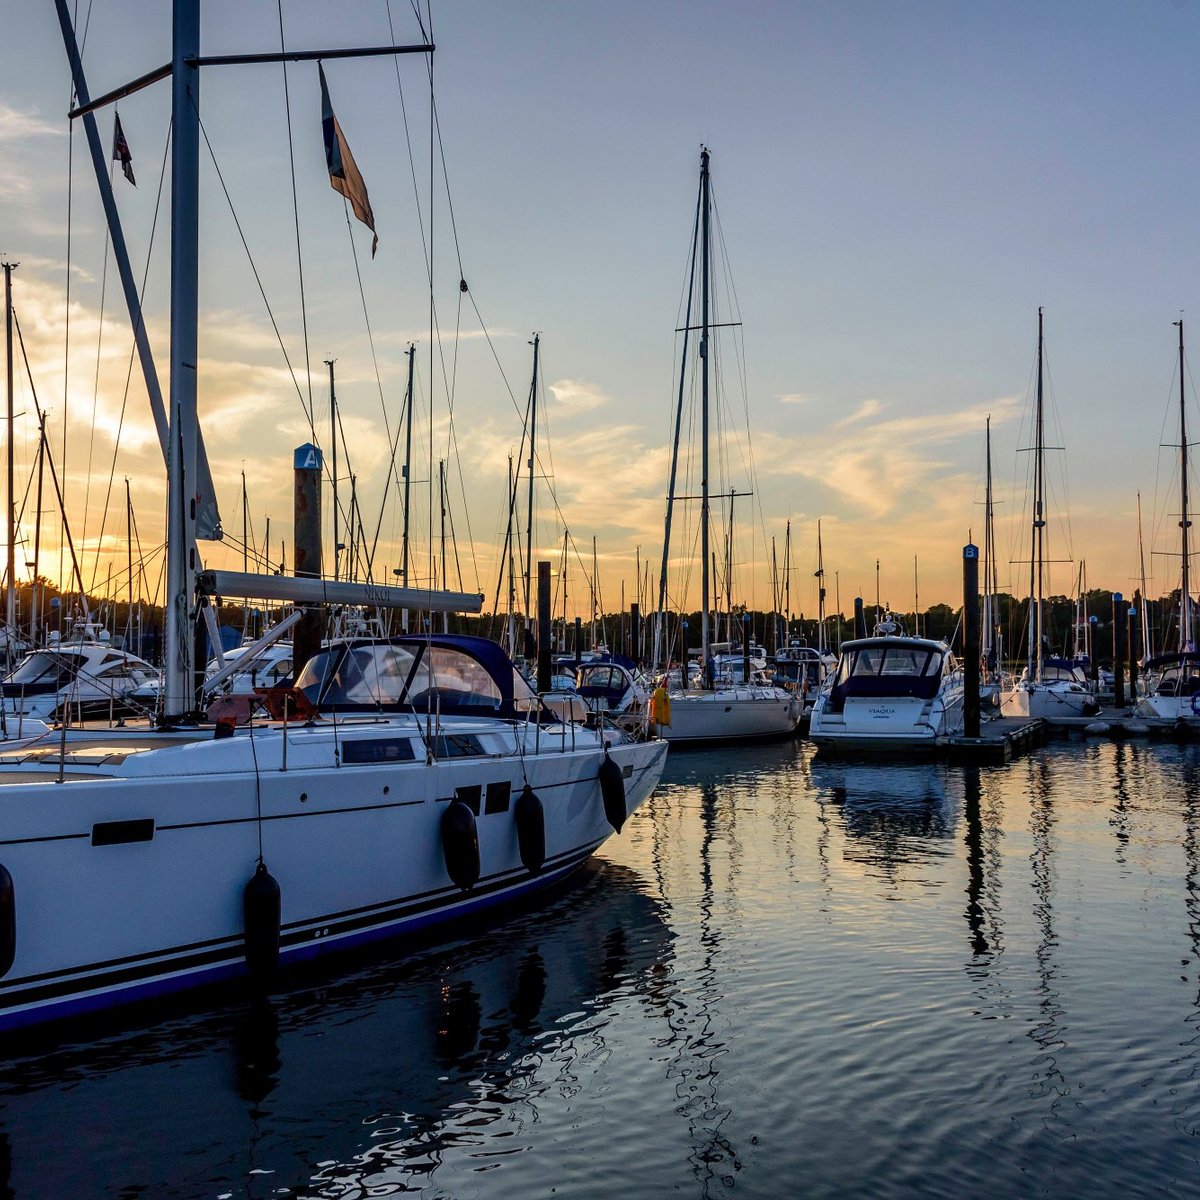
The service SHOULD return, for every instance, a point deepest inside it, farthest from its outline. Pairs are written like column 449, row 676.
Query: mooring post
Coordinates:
column 307, row 464
column 545, row 635
column 578, row 642
column 860, row 620
column 1118, row 649
column 1131, row 634
column 746, row 647
column 635, row 632
column 971, row 640
column 1094, row 662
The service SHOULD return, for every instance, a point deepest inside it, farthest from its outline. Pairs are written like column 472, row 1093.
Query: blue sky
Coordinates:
column 900, row 186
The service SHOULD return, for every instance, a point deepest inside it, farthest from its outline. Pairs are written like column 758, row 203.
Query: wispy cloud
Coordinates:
column 16, row 125
column 795, row 398
column 577, row 395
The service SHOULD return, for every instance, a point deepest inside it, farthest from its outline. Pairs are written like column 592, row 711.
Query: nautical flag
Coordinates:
column 121, row 150
column 344, row 175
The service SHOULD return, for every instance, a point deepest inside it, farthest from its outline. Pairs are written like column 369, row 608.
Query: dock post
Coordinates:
column 1118, row 649
column 1131, row 635
column 860, row 621
column 307, row 464
column 746, row 648
column 635, row 632
column 578, row 642
column 545, row 635
column 970, row 640
column 1094, row 662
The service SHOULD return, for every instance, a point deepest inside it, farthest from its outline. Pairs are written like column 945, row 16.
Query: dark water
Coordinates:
column 786, row 978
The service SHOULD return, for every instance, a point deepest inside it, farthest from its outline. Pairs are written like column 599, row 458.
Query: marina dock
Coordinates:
column 1000, row 740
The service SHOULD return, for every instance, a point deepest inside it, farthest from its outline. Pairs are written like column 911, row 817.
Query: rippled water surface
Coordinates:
column 786, row 978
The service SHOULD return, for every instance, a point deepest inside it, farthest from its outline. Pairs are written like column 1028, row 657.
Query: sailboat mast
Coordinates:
column 1147, row 649
column 705, row 216
column 35, row 623
column 333, row 439
column 820, row 595
column 512, row 581
column 178, row 674
column 129, row 562
column 1039, row 524
column 1185, row 596
column 988, row 550
column 408, row 424
column 532, row 461
column 10, row 612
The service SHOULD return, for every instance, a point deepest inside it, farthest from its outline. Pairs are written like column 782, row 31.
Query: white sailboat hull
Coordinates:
column 731, row 714
column 128, row 876
column 1047, row 700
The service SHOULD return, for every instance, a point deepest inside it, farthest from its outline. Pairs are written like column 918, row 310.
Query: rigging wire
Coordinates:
column 287, row 103
column 257, row 277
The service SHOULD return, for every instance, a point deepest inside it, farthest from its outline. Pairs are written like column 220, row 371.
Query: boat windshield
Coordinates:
column 888, row 661
column 420, row 677
column 46, row 668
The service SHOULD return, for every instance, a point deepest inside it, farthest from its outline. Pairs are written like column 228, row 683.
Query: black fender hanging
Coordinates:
column 530, row 820
column 460, row 844
column 612, row 788
column 261, row 915
column 8, row 921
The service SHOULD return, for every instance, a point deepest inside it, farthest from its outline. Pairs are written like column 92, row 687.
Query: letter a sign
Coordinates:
column 308, row 458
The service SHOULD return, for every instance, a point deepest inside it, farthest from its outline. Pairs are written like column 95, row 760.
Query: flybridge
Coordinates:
column 296, row 590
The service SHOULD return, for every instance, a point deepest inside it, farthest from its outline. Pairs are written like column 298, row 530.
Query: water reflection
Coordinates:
column 1048, row 1030
column 893, row 813
column 341, row 1088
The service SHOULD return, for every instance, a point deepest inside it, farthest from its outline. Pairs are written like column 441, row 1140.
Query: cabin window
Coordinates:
column 457, row 745
column 377, row 750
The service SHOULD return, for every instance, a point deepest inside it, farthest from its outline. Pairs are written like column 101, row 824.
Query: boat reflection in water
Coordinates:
column 896, row 812
column 342, row 1088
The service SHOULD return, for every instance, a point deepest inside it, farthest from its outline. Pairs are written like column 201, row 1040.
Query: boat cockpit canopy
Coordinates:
column 446, row 674
column 887, row 668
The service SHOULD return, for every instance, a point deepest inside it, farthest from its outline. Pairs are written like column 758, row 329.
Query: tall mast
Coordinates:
column 820, row 593
column 705, row 215
column 442, row 506
column 661, row 614
column 333, row 438
column 408, row 421
column 178, row 675
column 1185, row 596
column 129, row 562
column 532, row 461
column 787, row 574
column 1039, row 524
column 512, row 582
column 989, row 551
column 35, row 599
column 10, row 612
column 595, row 593
column 916, row 600
column 1147, row 649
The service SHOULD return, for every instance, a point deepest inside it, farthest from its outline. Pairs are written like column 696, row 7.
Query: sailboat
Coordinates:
column 715, row 712
column 406, row 784
column 1048, row 686
column 1173, row 678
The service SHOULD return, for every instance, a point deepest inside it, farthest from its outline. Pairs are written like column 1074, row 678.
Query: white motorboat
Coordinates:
column 890, row 692
column 82, row 676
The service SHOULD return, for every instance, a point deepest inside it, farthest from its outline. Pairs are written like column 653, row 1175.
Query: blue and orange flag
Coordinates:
column 344, row 175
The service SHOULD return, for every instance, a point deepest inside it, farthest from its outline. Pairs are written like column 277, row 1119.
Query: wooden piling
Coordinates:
column 1118, row 649
column 307, row 466
column 970, row 641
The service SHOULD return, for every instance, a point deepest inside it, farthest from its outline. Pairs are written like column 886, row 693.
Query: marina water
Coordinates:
column 788, row 977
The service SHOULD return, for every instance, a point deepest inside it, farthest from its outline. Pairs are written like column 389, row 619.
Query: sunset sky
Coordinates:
column 900, row 186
